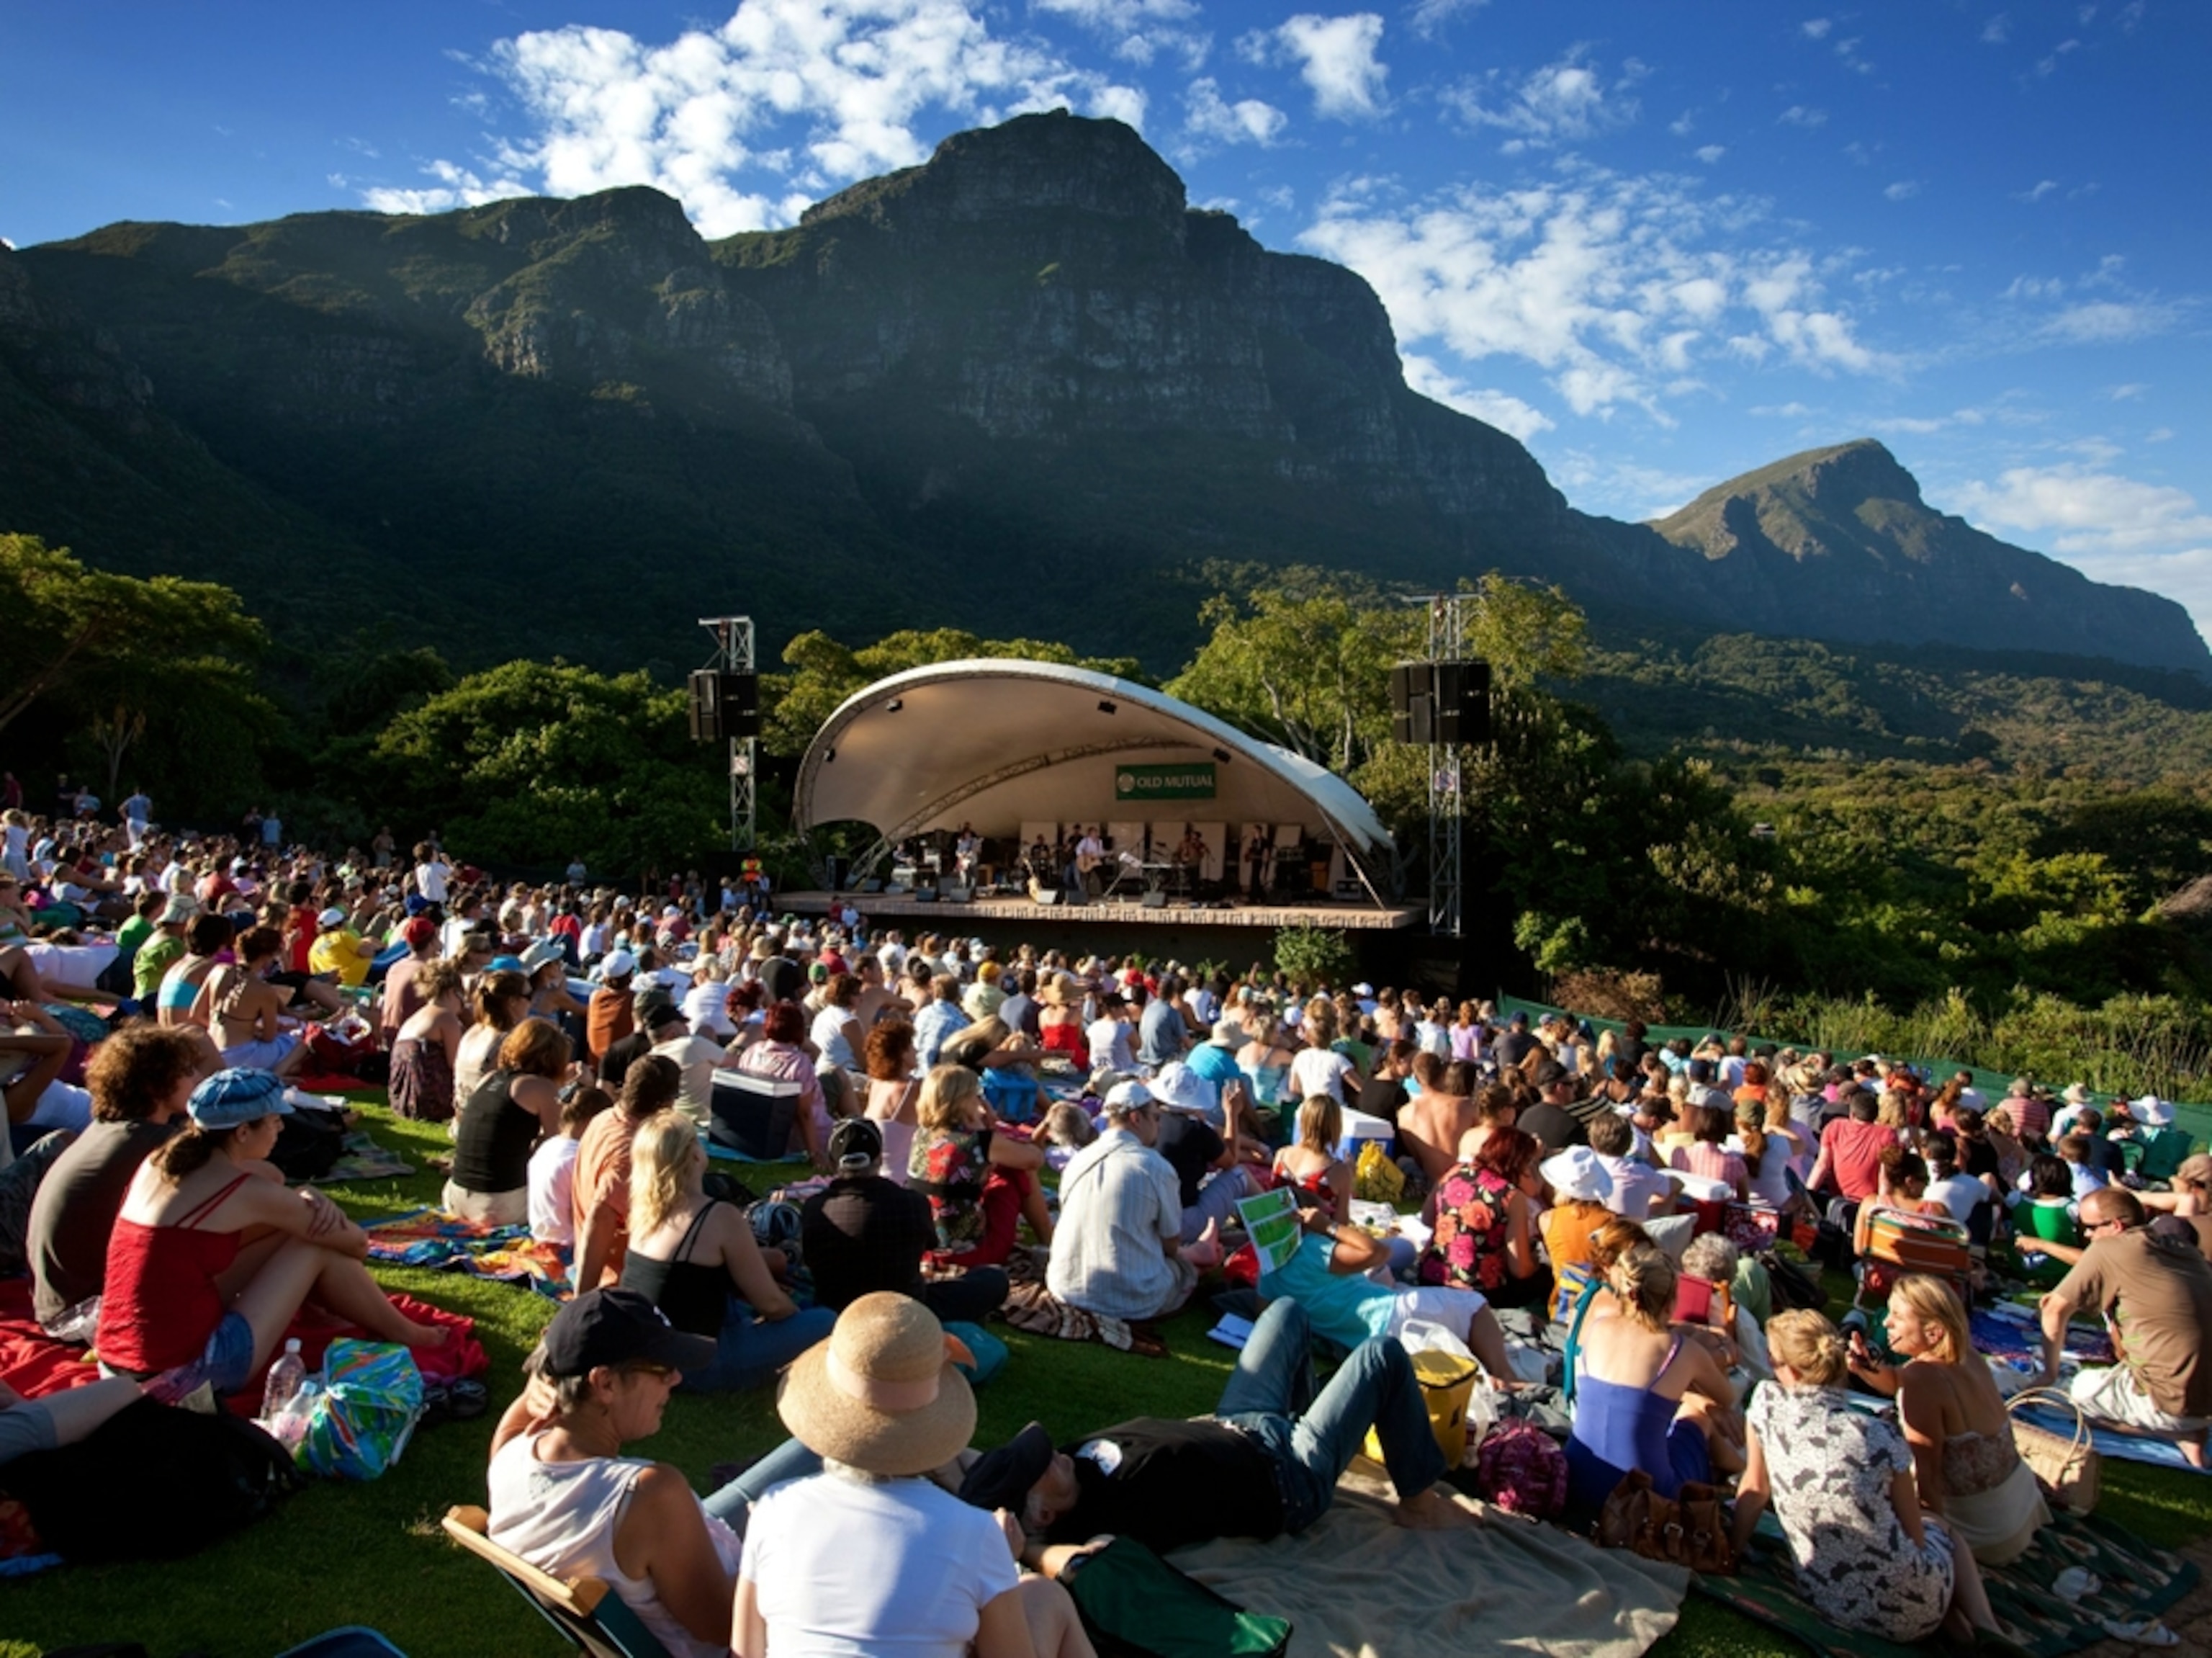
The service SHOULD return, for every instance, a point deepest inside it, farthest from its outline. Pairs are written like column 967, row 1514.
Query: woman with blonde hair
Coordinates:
column 1966, row 1468
column 1311, row 1163
column 1841, row 1483
column 980, row 1183
column 696, row 1258
column 1648, row 1397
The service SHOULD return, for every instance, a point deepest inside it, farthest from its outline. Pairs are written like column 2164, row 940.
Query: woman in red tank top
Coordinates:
column 212, row 1256
column 1060, row 1024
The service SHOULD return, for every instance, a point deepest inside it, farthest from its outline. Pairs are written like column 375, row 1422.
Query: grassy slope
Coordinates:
column 371, row 1554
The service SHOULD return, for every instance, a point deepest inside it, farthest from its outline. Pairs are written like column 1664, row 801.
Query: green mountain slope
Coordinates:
column 1022, row 389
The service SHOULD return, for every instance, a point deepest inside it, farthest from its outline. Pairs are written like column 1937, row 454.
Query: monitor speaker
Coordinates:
column 724, row 704
column 1412, row 692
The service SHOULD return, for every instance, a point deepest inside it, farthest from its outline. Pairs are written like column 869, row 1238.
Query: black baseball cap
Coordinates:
column 660, row 1014
column 854, row 1143
column 617, row 1327
column 1001, row 1478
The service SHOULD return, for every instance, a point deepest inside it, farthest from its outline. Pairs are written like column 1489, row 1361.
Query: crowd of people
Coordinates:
column 983, row 1122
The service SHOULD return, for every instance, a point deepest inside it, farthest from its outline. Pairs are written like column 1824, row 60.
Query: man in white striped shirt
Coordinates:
column 1118, row 1249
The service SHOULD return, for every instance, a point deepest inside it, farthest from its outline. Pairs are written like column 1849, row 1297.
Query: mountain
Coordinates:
column 1024, row 389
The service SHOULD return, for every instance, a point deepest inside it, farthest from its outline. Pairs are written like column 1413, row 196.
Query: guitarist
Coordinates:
column 1090, row 853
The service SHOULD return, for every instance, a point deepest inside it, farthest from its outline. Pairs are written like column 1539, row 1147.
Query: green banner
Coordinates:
column 1190, row 780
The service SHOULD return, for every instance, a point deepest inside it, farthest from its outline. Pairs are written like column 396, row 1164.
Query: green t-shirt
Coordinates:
column 133, row 933
column 155, row 958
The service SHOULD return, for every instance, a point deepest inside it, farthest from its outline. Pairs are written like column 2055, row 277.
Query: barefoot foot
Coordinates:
column 1431, row 1511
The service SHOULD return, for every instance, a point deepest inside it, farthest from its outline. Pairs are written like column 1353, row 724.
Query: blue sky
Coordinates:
column 1660, row 243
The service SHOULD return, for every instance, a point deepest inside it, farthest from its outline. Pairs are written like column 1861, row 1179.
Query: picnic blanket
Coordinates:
column 431, row 1238
column 2138, row 1583
column 364, row 1160
column 1355, row 1584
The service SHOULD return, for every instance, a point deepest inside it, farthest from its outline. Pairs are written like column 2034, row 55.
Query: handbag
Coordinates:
column 2068, row 1466
column 1689, row 1529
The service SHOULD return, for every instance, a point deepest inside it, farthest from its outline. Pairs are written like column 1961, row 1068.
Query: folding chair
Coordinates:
column 753, row 1116
column 582, row 1611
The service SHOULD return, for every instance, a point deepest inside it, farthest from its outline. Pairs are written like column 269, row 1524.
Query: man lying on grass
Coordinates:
column 1267, row 1462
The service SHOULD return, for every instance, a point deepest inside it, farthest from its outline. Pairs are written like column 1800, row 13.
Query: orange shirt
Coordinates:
column 607, row 1019
column 602, row 1176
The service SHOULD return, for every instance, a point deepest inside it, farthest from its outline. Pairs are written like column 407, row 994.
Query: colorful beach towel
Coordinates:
column 2137, row 1583
column 430, row 1238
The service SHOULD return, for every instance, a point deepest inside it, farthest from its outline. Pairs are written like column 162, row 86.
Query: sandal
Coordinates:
column 467, row 1399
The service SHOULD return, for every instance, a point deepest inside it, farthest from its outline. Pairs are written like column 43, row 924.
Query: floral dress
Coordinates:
column 952, row 1165
column 1468, row 1250
column 1829, row 1468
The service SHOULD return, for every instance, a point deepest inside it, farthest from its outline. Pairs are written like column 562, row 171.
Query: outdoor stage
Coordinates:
column 942, row 916
column 1381, row 939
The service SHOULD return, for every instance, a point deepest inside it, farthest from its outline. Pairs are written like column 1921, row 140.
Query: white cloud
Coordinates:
column 1799, row 115
column 1493, row 408
column 2125, row 393
column 1141, row 30
column 1625, row 489
column 1567, row 100
column 2087, row 510
column 2041, row 188
column 1709, row 153
column 1431, row 16
column 2105, row 321
column 1816, row 28
column 1783, row 410
column 1903, row 190
column 840, row 84
column 1619, row 288
column 1335, row 57
column 1247, row 121
column 1998, row 30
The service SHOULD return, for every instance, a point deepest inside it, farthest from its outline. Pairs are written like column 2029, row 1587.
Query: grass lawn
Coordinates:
column 341, row 1553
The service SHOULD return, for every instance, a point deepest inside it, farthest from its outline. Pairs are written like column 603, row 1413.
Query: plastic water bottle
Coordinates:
column 286, row 1377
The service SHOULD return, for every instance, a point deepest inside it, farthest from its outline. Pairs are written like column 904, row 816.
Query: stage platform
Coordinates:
column 947, row 916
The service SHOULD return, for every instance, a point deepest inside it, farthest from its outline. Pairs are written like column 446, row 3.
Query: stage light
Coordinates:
column 1106, row 708
column 1223, row 755
column 828, row 755
column 894, row 704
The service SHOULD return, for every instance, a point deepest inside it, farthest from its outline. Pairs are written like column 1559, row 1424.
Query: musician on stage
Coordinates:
column 1090, row 853
column 964, row 849
column 1256, row 851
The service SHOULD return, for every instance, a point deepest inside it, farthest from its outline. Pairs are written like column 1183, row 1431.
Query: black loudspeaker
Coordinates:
column 724, row 704
column 1413, row 701
column 1462, row 701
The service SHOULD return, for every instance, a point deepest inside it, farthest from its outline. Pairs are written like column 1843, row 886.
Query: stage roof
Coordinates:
column 998, row 743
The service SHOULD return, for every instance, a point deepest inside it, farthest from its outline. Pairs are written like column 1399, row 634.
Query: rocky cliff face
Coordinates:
column 991, row 390
column 1836, row 543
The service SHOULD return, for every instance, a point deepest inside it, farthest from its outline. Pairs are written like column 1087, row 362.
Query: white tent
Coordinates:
column 998, row 744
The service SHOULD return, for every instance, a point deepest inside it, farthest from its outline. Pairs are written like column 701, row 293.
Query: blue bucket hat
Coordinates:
column 507, row 964
column 230, row 1098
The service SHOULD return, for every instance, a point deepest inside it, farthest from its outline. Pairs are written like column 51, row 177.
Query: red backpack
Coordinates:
column 1523, row 1470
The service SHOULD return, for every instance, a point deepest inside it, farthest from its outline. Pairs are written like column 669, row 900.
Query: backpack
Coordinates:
column 1523, row 1470
column 308, row 1144
column 1792, row 1287
column 152, row 1483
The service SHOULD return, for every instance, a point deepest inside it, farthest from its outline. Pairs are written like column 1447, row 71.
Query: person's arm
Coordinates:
column 1921, row 1419
column 1355, row 1251
column 1818, row 1179
column 541, row 1097
column 748, row 1267
column 1007, row 1152
column 1882, row 1378
column 1751, row 1492
column 1519, row 1254
column 450, row 1033
column 2057, row 1307
column 532, row 1410
column 306, row 1213
column 662, row 1536
column 601, row 1224
column 1905, row 1498
column 749, row 1629
column 1002, row 1628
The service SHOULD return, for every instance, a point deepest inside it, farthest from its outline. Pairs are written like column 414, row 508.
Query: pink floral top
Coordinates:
column 1468, row 1250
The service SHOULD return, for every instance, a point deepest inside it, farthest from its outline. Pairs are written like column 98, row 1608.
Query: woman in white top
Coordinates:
column 566, row 1500
column 1322, row 1070
column 871, row 1555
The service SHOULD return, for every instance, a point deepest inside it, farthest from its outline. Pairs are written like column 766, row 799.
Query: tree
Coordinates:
column 534, row 762
column 68, row 625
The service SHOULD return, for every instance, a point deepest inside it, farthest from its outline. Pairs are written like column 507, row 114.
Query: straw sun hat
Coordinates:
column 881, row 1394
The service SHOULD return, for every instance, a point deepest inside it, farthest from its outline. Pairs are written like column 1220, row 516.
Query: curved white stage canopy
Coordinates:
column 1001, row 744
